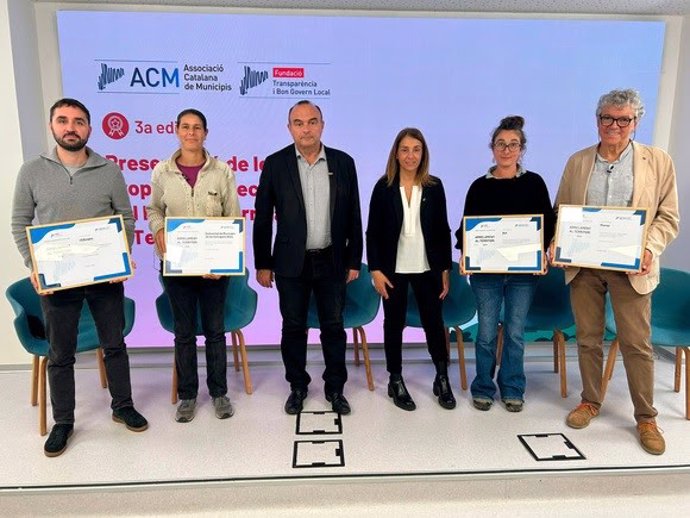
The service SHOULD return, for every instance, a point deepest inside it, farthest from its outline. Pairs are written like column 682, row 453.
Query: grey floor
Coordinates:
column 427, row 461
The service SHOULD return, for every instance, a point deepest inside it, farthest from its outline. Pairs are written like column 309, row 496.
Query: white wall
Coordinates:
column 29, row 55
column 17, row 60
column 678, row 254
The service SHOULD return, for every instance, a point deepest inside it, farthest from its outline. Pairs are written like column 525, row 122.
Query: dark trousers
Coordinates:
column 191, row 299
column 426, row 287
column 318, row 275
column 61, row 312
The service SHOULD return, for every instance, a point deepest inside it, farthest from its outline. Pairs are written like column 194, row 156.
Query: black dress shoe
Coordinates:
column 132, row 419
column 401, row 397
column 57, row 440
column 443, row 391
column 339, row 403
column 293, row 405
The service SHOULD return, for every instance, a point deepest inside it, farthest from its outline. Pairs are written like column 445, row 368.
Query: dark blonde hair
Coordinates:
column 393, row 166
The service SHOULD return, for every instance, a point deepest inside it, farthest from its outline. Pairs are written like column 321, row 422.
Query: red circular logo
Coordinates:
column 115, row 125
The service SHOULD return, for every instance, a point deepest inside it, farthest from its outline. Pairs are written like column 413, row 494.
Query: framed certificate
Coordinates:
column 78, row 253
column 609, row 238
column 503, row 244
column 201, row 246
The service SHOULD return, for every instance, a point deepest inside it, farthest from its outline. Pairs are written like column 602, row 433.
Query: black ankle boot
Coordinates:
column 442, row 387
column 398, row 391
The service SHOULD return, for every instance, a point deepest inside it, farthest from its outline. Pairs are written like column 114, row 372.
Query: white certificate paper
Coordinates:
column 201, row 246
column 609, row 238
column 79, row 253
column 503, row 244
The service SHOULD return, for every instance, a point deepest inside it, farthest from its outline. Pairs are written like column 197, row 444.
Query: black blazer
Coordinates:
column 386, row 219
column 280, row 191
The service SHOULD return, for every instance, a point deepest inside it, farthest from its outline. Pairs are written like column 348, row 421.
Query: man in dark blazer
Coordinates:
column 312, row 190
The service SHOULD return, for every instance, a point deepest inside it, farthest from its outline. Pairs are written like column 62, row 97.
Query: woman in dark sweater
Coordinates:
column 506, row 189
column 408, row 243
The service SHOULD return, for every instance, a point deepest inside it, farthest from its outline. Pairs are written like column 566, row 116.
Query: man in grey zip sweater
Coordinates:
column 73, row 182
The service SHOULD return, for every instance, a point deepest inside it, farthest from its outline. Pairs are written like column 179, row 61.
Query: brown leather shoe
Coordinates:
column 581, row 415
column 650, row 438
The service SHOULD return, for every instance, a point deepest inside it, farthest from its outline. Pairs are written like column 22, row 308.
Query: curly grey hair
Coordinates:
column 620, row 98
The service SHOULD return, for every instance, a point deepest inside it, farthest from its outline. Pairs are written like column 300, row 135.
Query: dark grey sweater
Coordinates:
column 46, row 191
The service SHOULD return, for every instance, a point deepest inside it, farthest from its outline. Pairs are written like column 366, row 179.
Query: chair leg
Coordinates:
column 34, row 380
column 561, row 364
column 365, row 352
column 555, row 349
column 608, row 370
column 239, row 337
column 499, row 344
column 461, row 357
column 101, row 367
column 614, row 361
column 173, row 394
column 686, row 350
column 676, row 373
column 235, row 352
column 42, row 424
column 355, row 343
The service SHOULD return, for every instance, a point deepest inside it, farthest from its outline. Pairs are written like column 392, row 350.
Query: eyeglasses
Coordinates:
column 502, row 146
column 607, row 120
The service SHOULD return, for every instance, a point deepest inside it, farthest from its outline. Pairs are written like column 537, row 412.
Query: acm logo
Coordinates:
column 121, row 77
column 154, row 77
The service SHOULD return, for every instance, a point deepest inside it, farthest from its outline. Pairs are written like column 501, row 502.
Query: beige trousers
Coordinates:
column 632, row 312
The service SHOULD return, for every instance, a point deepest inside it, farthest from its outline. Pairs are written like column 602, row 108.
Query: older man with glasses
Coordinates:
column 619, row 172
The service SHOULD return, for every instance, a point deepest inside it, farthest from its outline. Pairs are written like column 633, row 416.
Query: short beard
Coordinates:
column 74, row 146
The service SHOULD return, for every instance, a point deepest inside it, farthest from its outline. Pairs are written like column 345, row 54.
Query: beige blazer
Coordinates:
column 654, row 189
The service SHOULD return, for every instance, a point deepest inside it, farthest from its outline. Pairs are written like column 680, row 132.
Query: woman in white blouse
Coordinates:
column 408, row 243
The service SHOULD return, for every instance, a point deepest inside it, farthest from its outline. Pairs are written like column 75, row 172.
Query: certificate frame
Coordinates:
column 65, row 255
column 182, row 260
column 604, row 238
column 523, row 256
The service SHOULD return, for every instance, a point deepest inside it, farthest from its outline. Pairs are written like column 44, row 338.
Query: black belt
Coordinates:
column 319, row 251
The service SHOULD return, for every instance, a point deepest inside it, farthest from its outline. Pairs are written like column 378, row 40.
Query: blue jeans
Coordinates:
column 318, row 275
column 513, row 293
column 185, row 294
column 61, row 312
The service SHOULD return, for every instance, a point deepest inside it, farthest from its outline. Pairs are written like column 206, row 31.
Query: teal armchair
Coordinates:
column 30, row 329
column 670, row 329
column 240, row 309
column 459, row 308
column 361, row 306
column 551, row 313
